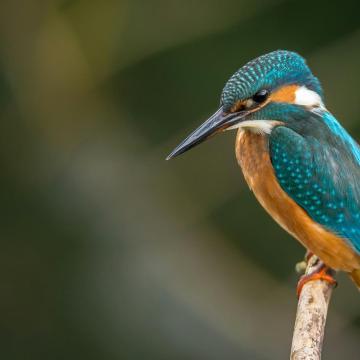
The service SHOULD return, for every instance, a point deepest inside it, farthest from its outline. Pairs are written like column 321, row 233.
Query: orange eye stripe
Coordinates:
column 284, row 94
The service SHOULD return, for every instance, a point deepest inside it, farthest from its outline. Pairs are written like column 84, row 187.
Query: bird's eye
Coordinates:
column 261, row 96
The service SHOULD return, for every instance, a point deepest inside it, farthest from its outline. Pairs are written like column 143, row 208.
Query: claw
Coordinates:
column 322, row 272
column 308, row 255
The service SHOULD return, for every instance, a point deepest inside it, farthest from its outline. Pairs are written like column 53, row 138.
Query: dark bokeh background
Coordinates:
column 109, row 252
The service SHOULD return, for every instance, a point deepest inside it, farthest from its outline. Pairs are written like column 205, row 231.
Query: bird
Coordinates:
column 298, row 160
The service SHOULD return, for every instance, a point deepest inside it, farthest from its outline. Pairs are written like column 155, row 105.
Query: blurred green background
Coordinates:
column 110, row 252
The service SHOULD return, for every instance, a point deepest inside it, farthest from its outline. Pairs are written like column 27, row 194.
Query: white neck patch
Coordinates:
column 307, row 97
column 256, row 126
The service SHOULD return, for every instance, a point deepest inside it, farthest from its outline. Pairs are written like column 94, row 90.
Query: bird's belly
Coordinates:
column 252, row 153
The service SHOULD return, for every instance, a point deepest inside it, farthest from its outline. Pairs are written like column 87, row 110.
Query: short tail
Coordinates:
column 355, row 276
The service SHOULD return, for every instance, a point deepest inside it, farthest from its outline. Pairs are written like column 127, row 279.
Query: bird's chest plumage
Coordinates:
column 252, row 152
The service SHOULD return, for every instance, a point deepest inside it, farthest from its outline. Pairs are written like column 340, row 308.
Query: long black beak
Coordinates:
column 217, row 122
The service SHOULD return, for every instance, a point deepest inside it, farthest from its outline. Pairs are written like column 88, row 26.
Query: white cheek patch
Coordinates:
column 257, row 126
column 307, row 97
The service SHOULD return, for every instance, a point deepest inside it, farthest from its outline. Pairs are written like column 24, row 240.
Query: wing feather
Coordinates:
column 322, row 176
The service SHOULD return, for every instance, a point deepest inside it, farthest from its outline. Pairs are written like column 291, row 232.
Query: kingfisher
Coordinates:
column 301, row 164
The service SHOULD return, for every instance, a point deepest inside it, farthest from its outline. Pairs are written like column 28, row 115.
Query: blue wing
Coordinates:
column 322, row 175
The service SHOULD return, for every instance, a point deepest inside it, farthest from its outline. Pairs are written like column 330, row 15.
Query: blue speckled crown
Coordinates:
column 269, row 71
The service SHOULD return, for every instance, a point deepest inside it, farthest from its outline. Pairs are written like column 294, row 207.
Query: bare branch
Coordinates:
column 311, row 317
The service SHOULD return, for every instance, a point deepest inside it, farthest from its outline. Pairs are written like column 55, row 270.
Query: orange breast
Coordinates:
column 253, row 157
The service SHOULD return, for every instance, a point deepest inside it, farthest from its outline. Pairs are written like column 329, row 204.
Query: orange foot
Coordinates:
column 322, row 272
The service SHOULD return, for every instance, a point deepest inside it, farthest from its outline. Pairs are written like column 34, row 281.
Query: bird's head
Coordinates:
column 259, row 96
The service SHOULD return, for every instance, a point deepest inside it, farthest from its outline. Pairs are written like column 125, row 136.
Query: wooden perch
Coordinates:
column 311, row 317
